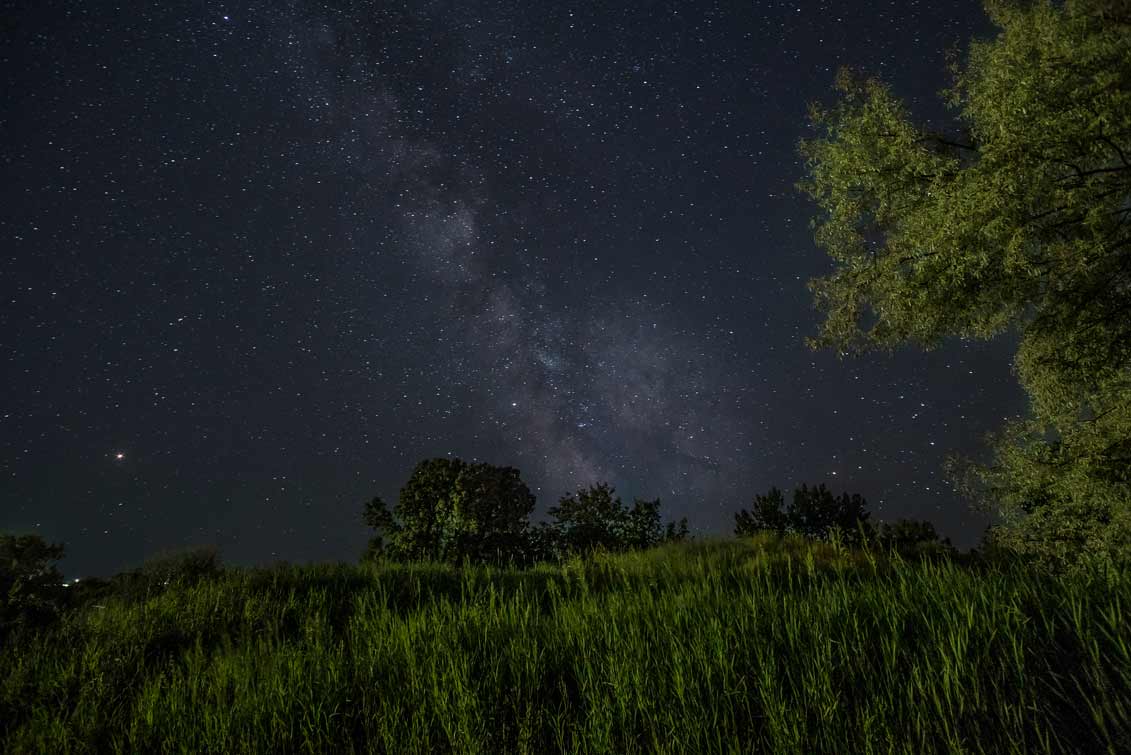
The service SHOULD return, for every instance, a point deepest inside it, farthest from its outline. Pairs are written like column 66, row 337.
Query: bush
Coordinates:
column 30, row 584
column 167, row 569
column 183, row 567
column 814, row 513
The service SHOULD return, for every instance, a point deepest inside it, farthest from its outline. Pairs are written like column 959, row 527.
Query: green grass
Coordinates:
column 756, row 645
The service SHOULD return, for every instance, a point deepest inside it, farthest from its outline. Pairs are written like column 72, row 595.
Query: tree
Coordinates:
column 30, row 583
column 592, row 517
column 543, row 544
column 676, row 532
column 378, row 517
column 642, row 526
column 424, row 507
column 813, row 513
column 595, row 517
column 1018, row 219
column 912, row 537
column 487, row 515
column 183, row 567
column 766, row 515
column 450, row 510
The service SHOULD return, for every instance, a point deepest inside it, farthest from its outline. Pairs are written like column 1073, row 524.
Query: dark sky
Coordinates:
column 259, row 259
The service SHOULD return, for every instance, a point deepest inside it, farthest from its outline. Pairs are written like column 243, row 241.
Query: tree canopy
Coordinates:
column 594, row 517
column 450, row 510
column 590, row 518
column 29, row 580
column 1018, row 219
column 813, row 513
column 453, row 511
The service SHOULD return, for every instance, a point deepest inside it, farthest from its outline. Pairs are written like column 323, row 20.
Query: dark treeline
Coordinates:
column 816, row 513
column 453, row 511
column 33, row 594
column 456, row 512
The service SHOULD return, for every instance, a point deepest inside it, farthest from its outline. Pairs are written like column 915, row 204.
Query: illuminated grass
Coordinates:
column 737, row 646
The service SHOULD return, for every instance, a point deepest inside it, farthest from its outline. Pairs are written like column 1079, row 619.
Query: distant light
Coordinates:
column 119, row 456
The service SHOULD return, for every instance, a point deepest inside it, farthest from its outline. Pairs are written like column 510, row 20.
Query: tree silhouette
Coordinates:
column 590, row 518
column 453, row 511
column 912, row 537
column 30, row 583
column 595, row 517
column 766, row 514
column 813, row 513
column 676, row 532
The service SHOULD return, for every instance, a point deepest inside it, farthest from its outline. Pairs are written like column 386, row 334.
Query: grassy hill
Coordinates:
column 754, row 645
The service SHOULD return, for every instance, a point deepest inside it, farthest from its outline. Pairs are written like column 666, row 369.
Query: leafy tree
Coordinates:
column 813, row 513
column 30, row 583
column 180, row 567
column 592, row 517
column 912, row 537
column 991, row 551
column 186, row 566
column 378, row 517
column 766, row 514
column 676, row 532
column 424, row 507
column 642, row 526
column 488, row 514
column 595, row 517
column 542, row 544
column 1018, row 219
column 450, row 510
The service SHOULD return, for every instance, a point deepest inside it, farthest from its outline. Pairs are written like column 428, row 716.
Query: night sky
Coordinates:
column 260, row 259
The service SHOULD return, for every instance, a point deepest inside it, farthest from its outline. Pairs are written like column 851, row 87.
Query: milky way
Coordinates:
column 262, row 259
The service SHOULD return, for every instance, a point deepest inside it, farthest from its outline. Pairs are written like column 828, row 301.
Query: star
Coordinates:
column 602, row 263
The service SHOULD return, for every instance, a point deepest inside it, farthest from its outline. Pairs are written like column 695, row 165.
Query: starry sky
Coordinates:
column 260, row 259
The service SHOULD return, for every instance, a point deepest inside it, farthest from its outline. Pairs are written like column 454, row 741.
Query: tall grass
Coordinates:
column 759, row 645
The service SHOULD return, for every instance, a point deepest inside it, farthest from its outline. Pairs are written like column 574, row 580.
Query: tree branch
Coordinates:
column 948, row 143
column 1117, row 149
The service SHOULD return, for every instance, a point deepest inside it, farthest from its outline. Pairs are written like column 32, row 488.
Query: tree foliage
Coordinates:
column 450, row 510
column 676, row 532
column 912, row 537
column 185, row 566
column 30, row 583
column 766, row 514
column 813, row 513
column 591, row 518
column 595, row 517
column 1019, row 219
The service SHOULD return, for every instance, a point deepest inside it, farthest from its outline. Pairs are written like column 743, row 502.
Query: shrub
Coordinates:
column 30, row 584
